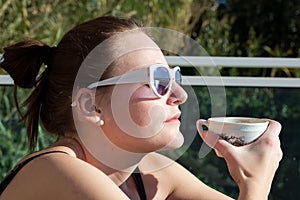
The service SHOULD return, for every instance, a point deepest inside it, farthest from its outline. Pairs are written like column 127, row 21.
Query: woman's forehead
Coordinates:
column 119, row 54
column 138, row 59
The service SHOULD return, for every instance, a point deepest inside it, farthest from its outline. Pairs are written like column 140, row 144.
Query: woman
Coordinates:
column 103, row 153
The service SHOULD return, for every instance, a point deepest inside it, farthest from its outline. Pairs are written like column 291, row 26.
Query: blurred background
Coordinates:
column 239, row 28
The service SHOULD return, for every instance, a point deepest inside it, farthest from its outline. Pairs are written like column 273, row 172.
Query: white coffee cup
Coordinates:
column 236, row 130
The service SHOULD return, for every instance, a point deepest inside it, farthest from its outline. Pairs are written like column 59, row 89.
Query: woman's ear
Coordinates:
column 85, row 106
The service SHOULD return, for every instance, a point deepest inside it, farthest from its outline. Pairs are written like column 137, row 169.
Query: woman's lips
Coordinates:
column 174, row 118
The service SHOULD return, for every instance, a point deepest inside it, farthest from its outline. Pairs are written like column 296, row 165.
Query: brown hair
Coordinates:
column 51, row 97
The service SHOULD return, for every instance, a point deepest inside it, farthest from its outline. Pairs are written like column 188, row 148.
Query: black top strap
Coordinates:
column 9, row 177
column 139, row 184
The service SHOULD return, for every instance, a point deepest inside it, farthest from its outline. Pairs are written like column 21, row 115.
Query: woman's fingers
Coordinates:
column 273, row 129
column 222, row 147
column 270, row 140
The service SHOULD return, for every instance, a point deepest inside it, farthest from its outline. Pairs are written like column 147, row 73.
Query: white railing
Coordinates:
column 238, row 62
column 241, row 62
column 227, row 62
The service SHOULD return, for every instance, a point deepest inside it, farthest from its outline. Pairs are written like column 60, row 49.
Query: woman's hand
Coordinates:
column 252, row 166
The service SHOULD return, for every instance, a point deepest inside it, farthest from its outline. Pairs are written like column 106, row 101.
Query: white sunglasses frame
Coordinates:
column 142, row 75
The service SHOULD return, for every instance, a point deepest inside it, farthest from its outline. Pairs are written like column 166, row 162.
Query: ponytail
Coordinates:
column 50, row 100
column 23, row 61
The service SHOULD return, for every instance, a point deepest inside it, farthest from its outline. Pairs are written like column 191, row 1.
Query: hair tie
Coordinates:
column 48, row 52
column 48, row 55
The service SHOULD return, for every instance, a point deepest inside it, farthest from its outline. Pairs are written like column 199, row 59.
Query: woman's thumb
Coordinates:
column 224, row 149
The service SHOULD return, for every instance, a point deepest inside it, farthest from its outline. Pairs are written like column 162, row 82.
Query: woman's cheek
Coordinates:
column 143, row 106
column 140, row 114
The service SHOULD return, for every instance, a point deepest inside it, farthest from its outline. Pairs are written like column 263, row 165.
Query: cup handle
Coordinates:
column 204, row 122
column 200, row 123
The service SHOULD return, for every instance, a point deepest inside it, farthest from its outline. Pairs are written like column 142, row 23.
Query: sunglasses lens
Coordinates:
column 178, row 76
column 161, row 80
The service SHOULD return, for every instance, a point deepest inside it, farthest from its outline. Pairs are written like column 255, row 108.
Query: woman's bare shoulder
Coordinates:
column 182, row 184
column 61, row 176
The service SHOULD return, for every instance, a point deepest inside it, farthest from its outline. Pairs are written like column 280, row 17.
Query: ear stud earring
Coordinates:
column 100, row 122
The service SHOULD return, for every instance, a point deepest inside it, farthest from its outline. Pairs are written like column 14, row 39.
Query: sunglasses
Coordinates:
column 158, row 76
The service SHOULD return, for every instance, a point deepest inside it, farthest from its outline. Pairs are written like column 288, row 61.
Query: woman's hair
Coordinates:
column 51, row 97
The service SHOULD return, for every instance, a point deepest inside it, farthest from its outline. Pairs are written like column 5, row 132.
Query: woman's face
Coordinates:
column 135, row 118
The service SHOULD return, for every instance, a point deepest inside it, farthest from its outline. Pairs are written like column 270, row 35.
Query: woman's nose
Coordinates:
column 177, row 95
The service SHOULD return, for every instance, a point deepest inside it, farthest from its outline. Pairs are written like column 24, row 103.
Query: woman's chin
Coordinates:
column 177, row 142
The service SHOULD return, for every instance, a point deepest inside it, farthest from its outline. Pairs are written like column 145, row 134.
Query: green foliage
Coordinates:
column 12, row 132
column 236, row 28
column 13, row 140
column 49, row 20
column 214, row 33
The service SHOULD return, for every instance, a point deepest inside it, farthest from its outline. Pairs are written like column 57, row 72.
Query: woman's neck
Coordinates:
column 116, row 163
